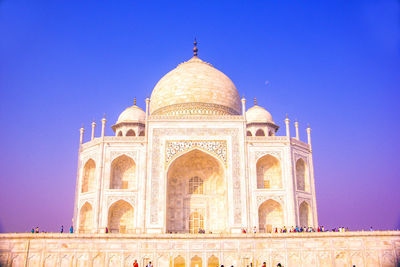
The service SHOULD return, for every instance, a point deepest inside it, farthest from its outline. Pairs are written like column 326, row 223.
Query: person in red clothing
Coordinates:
column 135, row 264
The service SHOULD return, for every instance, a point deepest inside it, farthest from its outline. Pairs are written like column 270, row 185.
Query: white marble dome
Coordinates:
column 195, row 87
column 258, row 114
column 132, row 114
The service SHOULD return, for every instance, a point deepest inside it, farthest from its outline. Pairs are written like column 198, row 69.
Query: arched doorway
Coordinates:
column 86, row 218
column 120, row 217
column 269, row 173
column 88, row 179
column 196, row 194
column 305, row 214
column 123, row 172
column 270, row 216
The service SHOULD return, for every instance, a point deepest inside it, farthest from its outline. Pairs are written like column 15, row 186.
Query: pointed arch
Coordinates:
column 179, row 261
column 88, row 179
column 302, row 180
column 141, row 133
column 260, row 132
column 196, row 261
column 130, row 133
column 120, row 217
column 123, row 173
column 196, row 184
column 213, row 261
column 86, row 224
column 248, row 133
column 119, row 133
column 269, row 173
column 305, row 214
column 270, row 216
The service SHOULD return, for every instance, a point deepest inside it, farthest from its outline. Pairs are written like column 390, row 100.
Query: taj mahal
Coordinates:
column 194, row 159
column 199, row 178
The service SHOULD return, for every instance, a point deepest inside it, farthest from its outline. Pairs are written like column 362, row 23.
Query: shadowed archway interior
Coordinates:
column 196, row 194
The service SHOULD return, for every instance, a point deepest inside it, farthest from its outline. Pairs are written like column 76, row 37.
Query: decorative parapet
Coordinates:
column 117, row 139
column 196, row 117
column 174, row 149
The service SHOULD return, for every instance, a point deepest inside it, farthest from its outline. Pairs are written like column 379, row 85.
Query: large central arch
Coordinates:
column 196, row 194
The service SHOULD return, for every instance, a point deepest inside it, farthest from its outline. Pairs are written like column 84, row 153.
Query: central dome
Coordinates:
column 195, row 88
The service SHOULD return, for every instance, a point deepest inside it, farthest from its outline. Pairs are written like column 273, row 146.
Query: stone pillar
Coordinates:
column 287, row 126
column 309, row 136
column 296, row 125
column 81, row 136
column 147, row 107
column 103, row 126
column 93, row 128
column 244, row 108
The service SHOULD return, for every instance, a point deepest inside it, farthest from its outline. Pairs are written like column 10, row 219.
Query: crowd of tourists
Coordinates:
column 301, row 229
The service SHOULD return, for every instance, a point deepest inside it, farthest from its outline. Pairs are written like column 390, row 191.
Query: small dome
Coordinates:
column 132, row 114
column 258, row 114
column 195, row 87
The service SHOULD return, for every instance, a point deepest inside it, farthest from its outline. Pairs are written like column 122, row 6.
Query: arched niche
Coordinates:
column 119, row 133
column 130, row 133
column 248, row 133
column 123, row 173
column 196, row 183
column 179, row 261
column 120, row 217
column 141, row 133
column 86, row 218
column 88, row 179
column 213, row 261
column 270, row 216
column 260, row 132
column 305, row 214
column 196, row 262
column 269, row 173
column 302, row 180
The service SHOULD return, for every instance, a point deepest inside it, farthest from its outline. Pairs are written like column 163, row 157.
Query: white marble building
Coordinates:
column 194, row 159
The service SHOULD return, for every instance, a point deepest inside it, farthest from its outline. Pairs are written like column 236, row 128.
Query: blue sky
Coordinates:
column 333, row 64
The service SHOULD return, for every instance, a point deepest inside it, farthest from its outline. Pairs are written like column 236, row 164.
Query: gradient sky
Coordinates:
column 335, row 65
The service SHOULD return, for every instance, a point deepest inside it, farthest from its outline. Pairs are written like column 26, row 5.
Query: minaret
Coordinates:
column 82, row 130
column 309, row 135
column 287, row 126
column 103, row 125
column 93, row 128
column 244, row 107
column 296, row 125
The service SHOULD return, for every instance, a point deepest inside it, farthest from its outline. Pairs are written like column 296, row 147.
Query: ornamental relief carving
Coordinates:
column 301, row 200
column 262, row 199
column 112, row 199
column 301, row 156
column 116, row 154
column 173, row 149
column 276, row 154
column 83, row 200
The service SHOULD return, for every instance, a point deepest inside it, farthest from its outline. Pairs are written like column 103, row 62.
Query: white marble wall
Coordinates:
column 369, row 249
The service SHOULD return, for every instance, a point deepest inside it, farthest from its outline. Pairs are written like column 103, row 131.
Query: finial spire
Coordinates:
column 255, row 101
column 134, row 101
column 195, row 47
